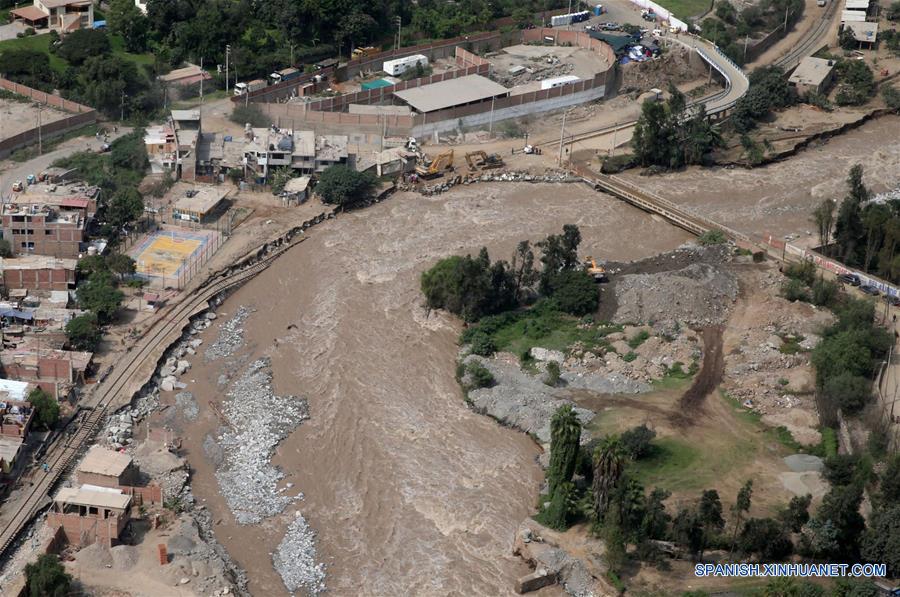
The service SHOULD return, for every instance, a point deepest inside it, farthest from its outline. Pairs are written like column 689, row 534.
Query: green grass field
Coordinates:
column 41, row 43
column 685, row 9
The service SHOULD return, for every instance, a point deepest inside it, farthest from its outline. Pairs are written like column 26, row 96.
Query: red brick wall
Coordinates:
column 81, row 531
column 39, row 279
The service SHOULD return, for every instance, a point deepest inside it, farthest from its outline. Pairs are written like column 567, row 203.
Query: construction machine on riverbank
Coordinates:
column 435, row 167
column 479, row 160
column 597, row 272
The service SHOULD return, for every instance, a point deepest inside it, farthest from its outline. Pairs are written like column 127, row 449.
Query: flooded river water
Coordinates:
column 410, row 492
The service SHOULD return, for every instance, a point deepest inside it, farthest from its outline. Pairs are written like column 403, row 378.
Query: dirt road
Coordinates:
column 410, row 491
column 708, row 378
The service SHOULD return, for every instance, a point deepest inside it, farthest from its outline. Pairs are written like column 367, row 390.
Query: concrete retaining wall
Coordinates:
column 534, row 107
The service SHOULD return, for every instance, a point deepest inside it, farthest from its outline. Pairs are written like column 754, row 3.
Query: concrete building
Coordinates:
column 53, row 370
column 15, row 409
column 90, row 514
column 38, row 272
column 451, row 93
column 198, row 203
column 106, row 468
column 44, row 229
column 332, row 150
column 864, row 32
column 9, row 453
column 813, row 75
column 188, row 75
column 296, row 190
column 63, row 15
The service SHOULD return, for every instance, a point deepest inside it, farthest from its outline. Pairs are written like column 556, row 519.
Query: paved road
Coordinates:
column 11, row 171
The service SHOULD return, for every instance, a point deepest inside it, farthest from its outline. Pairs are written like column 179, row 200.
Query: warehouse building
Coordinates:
column 453, row 93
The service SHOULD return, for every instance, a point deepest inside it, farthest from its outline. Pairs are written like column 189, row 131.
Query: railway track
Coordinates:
column 65, row 448
column 811, row 42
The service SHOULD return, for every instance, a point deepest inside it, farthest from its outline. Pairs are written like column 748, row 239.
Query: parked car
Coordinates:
column 851, row 279
column 869, row 289
column 610, row 27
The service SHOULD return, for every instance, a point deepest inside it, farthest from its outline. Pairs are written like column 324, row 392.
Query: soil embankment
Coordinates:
column 409, row 491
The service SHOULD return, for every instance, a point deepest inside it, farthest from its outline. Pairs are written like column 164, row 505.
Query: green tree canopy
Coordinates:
column 47, row 577
column 46, row 408
column 565, row 433
column 881, row 542
column 125, row 19
column 100, row 295
column 81, row 44
column 83, row 332
column 341, row 185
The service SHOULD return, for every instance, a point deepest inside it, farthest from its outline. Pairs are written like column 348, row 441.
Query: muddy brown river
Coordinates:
column 410, row 492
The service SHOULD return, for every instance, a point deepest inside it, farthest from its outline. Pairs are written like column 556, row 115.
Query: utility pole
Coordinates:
column 399, row 29
column 491, row 125
column 569, row 26
column 122, row 106
column 562, row 134
column 612, row 151
column 292, row 53
column 40, row 140
column 227, row 57
column 201, row 82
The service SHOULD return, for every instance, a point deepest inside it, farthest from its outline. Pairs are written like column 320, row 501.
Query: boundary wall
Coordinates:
column 80, row 116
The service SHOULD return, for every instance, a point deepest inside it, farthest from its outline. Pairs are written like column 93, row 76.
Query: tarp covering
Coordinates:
column 16, row 314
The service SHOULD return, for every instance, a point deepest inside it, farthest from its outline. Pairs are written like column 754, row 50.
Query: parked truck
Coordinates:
column 242, row 88
column 284, row 75
column 398, row 66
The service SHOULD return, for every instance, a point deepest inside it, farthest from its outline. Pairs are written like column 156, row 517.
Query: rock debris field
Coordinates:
column 295, row 559
column 258, row 420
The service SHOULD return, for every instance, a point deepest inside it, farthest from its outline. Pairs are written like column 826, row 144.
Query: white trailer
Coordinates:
column 559, row 81
column 398, row 66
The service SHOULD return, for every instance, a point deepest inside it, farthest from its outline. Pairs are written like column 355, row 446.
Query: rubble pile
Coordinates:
column 672, row 67
column 231, row 335
column 503, row 176
column 699, row 294
column 295, row 559
column 767, row 359
column 258, row 421
column 649, row 361
column 523, row 401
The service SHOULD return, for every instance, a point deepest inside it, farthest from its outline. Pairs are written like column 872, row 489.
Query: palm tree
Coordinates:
column 565, row 433
column 608, row 467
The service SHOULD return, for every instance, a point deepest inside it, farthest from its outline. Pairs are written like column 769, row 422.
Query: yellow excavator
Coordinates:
column 481, row 160
column 437, row 166
column 362, row 52
column 594, row 270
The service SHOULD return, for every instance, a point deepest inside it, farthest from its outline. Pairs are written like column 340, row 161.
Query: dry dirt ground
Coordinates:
column 545, row 62
column 409, row 491
column 17, row 117
column 778, row 199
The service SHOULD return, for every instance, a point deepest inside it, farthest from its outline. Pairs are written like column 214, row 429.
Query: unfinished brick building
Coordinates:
column 90, row 514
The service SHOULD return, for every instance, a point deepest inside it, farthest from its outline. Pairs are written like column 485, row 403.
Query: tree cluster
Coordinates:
column 344, row 186
column 856, row 83
column 46, row 408
column 99, row 294
column 769, row 90
column 730, row 28
column 94, row 75
column 670, row 135
column 473, row 287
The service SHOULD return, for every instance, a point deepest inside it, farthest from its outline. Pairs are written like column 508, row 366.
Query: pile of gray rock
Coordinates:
column 519, row 399
column 504, row 176
column 231, row 335
column 295, row 559
column 119, row 429
column 700, row 294
column 258, row 421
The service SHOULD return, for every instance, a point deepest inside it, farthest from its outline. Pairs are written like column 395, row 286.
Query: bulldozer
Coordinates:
column 436, row 167
column 362, row 52
column 594, row 270
column 480, row 160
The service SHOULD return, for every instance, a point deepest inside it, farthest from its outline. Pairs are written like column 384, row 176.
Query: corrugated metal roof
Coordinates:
column 86, row 496
column 454, row 92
